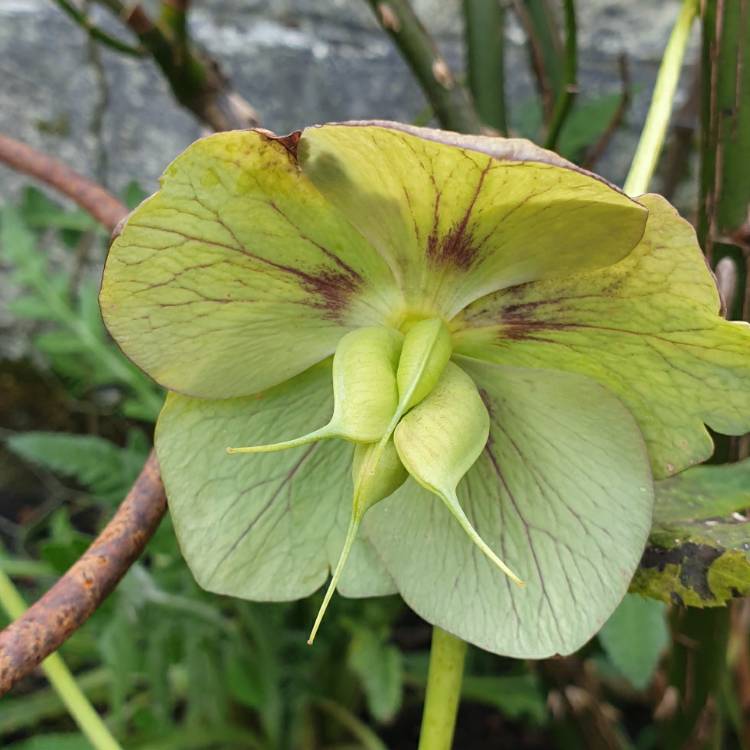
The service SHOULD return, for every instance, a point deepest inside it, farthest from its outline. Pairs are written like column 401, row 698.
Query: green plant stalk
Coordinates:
column 484, row 24
column 61, row 679
column 444, row 678
column 696, row 669
column 654, row 131
column 544, row 48
column 568, row 90
column 96, row 33
column 698, row 665
column 723, row 228
column 449, row 99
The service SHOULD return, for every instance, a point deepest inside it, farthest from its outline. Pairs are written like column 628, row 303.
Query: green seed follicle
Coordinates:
column 409, row 410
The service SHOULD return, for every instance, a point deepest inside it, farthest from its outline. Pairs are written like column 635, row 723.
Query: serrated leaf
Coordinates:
column 635, row 637
column 41, row 212
column 31, row 308
column 104, row 468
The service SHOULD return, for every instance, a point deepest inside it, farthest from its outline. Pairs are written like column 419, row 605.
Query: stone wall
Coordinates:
column 297, row 61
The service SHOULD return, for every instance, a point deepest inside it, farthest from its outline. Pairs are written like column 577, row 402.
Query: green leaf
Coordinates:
column 635, row 637
column 586, row 123
column 458, row 217
column 703, row 493
column 52, row 742
column 514, row 696
column 699, row 549
column 647, row 328
column 267, row 526
column 41, row 212
column 106, row 469
column 237, row 274
column 379, row 666
column 547, row 496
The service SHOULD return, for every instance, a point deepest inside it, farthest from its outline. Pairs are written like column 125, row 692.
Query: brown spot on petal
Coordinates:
column 457, row 247
column 332, row 289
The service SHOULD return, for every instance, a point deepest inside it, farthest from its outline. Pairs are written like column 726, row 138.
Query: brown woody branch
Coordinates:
column 90, row 196
column 194, row 77
column 448, row 97
column 46, row 625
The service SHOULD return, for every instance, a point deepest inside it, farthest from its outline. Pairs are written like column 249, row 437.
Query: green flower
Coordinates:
column 516, row 336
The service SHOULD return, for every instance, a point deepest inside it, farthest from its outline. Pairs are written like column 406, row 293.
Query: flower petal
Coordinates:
column 266, row 527
column 648, row 328
column 457, row 217
column 562, row 493
column 238, row 274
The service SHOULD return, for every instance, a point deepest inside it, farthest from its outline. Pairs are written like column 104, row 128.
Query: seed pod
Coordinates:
column 440, row 439
column 365, row 392
column 425, row 352
column 377, row 473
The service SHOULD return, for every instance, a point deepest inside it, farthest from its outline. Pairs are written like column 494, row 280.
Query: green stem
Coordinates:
column 569, row 89
column 61, row 679
column 654, row 131
column 544, row 48
column 443, row 691
column 450, row 100
column 484, row 23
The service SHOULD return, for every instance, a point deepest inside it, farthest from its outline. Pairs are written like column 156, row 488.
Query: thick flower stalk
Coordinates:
column 457, row 363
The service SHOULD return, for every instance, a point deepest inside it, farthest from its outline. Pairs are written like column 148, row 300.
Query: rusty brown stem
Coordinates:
column 48, row 623
column 71, row 601
column 89, row 195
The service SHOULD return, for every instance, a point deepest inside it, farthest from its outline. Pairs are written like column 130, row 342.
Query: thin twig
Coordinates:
column 569, row 89
column 98, row 34
column 48, row 623
column 449, row 98
column 195, row 79
column 90, row 196
column 597, row 149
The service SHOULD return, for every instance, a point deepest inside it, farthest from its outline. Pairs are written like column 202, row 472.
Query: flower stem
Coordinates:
column 654, row 131
column 61, row 679
column 443, row 691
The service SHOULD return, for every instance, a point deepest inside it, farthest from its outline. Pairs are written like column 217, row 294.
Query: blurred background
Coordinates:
column 168, row 665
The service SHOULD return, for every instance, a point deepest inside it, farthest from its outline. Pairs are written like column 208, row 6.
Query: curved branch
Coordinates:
column 90, row 196
column 48, row 623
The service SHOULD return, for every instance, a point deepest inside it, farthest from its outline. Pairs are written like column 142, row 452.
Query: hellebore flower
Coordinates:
column 524, row 342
